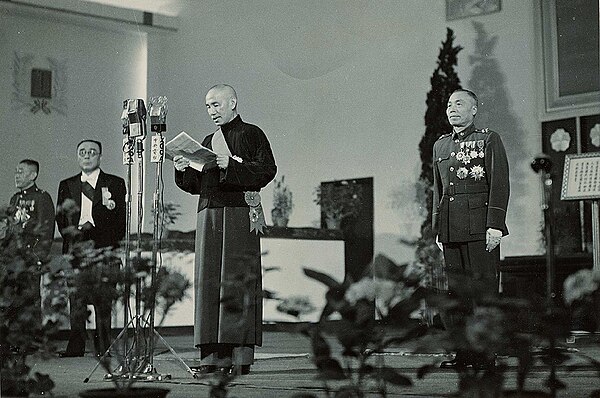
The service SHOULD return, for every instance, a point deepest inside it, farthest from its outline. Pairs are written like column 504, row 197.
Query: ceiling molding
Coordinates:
column 100, row 12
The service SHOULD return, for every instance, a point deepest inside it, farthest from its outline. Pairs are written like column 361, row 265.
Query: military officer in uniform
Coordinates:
column 470, row 199
column 34, row 215
column 34, row 210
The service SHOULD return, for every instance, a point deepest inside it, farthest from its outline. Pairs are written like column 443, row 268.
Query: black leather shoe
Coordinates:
column 203, row 369
column 451, row 364
column 66, row 354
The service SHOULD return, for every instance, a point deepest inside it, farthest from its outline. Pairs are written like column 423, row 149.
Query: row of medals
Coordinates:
column 470, row 150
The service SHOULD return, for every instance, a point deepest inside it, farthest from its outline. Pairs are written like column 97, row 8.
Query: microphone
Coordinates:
column 136, row 115
column 158, row 114
column 541, row 162
column 125, row 119
column 158, row 125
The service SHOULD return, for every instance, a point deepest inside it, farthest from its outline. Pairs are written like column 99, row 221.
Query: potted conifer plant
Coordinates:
column 339, row 200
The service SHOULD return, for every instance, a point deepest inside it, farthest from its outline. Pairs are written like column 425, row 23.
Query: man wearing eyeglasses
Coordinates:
column 91, row 207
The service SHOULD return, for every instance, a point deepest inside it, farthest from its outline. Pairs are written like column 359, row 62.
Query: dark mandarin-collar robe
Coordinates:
column 228, row 285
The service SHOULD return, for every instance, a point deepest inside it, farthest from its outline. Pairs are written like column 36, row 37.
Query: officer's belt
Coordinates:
column 458, row 189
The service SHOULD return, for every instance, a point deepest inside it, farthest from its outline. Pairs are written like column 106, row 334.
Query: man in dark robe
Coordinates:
column 228, row 284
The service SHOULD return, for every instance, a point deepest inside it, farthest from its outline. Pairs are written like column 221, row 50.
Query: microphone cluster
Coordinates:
column 133, row 120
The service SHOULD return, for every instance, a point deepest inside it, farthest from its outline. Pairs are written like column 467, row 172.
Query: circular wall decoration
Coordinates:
column 595, row 135
column 560, row 140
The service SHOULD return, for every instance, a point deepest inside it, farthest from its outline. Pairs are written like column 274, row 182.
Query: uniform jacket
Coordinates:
column 110, row 223
column 470, row 185
column 35, row 212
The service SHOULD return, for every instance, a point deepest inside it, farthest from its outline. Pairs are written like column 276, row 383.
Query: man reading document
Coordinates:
column 183, row 146
column 227, row 280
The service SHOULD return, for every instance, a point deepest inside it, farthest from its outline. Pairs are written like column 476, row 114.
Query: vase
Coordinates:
column 136, row 392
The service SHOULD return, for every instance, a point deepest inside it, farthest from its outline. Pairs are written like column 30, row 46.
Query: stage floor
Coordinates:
column 283, row 368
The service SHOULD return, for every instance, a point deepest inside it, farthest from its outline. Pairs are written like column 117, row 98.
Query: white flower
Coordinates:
column 580, row 284
column 385, row 291
column 363, row 289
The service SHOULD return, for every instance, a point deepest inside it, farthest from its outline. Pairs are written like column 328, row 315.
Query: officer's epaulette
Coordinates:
column 443, row 136
column 485, row 130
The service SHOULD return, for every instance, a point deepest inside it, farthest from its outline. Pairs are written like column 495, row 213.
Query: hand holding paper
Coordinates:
column 199, row 156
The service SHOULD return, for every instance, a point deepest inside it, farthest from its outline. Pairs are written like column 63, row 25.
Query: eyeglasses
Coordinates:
column 91, row 152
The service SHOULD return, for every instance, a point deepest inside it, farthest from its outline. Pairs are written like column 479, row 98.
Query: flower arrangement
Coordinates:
column 339, row 200
column 24, row 331
column 394, row 292
column 282, row 202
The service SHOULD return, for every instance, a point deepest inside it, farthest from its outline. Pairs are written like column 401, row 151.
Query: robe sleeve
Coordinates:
column 437, row 186
column 46, row 216
column 255, row 171
column 496, row 164
column 189, row 180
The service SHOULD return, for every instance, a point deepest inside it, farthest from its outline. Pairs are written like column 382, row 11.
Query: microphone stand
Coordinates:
column 542, row 165
column 158, row 112
column 128, row 152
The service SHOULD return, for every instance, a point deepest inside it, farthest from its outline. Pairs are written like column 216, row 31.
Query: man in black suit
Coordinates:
column 99, row 216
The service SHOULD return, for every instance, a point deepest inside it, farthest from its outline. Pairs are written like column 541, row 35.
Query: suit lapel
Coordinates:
column 98, row 191
column 75, row 189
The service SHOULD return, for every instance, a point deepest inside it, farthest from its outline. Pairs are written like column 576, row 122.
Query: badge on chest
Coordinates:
column 470, row 150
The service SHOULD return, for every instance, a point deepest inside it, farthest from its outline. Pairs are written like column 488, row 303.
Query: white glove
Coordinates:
column 492, row 238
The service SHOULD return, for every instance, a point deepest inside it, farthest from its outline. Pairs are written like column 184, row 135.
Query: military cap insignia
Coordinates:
column 477, row 172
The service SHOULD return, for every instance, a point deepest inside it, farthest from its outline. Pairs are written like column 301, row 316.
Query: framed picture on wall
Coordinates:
column 571, row 54
column 456, row 9
column 581, row 177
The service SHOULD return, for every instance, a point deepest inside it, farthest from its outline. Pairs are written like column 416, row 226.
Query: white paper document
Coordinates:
column 200, row 156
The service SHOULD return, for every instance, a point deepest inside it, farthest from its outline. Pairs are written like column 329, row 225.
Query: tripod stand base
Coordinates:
column 148, row 374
